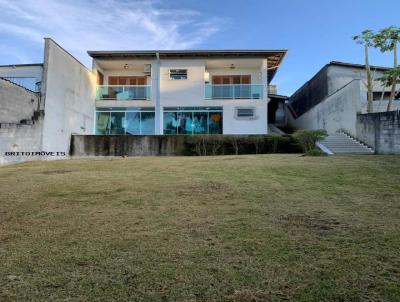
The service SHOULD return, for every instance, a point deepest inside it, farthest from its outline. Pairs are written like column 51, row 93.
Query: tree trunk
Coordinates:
column 370, row 107
column 393, row 91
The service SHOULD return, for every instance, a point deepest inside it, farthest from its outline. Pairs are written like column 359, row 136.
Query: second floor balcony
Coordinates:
column 123, row 92
column 233, row 91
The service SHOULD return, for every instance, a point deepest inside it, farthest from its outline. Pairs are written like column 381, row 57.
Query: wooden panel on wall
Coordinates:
column 231, row 79
column 128, row 80
column 100, row 78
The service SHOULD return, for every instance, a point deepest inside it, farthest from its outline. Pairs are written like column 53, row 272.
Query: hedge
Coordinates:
column 236, row 144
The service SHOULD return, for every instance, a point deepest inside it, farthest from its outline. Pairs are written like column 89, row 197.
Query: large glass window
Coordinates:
column 185, row 123
column 103, row 123
column 117, row 123
column 170, row 123
column 147, row 123
column 215, row 123
column 132, row 124
column 200, row 122
column 137, row 121
column 193, row 120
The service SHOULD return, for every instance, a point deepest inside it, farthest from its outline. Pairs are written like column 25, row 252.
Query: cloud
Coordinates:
column 80, row 25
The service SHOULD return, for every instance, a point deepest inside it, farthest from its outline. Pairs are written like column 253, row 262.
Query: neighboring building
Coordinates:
column 183, row 92
column 332, row 99
column 25, row 75
column 43, row 117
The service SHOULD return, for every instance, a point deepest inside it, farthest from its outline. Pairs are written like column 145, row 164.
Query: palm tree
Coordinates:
column 366, row 38
column 387, row 39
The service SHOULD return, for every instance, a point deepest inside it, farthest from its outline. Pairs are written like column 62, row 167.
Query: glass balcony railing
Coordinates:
column 123, row 92
column 236, row 91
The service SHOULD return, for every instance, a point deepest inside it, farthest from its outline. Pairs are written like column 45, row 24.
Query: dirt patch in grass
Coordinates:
column 55, row 172
column 297, row 223
column 211, row 187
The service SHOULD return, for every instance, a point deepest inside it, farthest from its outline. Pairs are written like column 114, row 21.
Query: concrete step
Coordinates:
column 341, row 143
column 8, row 125
column 342, row 146
column 27, row 122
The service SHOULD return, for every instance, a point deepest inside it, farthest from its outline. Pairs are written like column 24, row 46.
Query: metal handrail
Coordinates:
column 253, row 91
column 111, row 92
column 123, row 85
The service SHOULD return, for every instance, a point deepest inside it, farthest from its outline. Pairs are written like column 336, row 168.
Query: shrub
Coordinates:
column 315, row 152
column 239, row 144
column 307, row 139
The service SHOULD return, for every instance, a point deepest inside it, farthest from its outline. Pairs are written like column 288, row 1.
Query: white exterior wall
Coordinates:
column 191, row 93
column 69, row 98
column 232, row 125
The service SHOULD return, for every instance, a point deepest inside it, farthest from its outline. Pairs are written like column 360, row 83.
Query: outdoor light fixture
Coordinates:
column 126, row 66
column 206, row 76
column 232, row 66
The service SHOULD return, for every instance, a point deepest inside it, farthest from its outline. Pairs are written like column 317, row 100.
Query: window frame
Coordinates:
column 245, row 117
column 184, row 77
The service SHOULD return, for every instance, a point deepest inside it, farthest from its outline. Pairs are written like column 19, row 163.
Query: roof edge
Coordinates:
column 22, row 65
column 188, row 51
column 346, row 64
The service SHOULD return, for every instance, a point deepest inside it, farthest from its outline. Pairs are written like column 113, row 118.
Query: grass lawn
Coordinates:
column 228, row 228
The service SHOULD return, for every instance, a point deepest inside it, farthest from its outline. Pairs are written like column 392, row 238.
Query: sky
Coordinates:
column 315, row 32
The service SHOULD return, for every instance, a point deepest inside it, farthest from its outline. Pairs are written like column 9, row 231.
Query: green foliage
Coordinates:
column 307, row 139
column 390, row 77
column 202, row 145
column 387, row 38
column 366, row 38
column 315, row 152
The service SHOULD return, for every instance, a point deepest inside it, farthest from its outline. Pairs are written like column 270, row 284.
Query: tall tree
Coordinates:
column 366, row 38
column 391, row 78
column 387, row 39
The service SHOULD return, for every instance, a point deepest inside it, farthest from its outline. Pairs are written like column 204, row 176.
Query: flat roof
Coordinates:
column 361, row 66
column 184, row 53
column 22, row 65
column 274, row 56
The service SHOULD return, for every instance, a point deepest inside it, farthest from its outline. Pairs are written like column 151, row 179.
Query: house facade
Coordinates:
column 133, row 93
column 183, row 92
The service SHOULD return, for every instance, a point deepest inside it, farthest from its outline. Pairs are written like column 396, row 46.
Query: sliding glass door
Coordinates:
column 136, row 121
column 188, row 120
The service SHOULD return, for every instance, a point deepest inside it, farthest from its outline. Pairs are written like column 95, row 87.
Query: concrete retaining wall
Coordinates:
column 380, row 130
column 129, row 145
column 336, row 112
column 16, row 103
column 20, row 138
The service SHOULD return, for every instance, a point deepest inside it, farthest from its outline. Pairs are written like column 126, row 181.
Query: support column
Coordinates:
column 155, row 75
column 264, row 81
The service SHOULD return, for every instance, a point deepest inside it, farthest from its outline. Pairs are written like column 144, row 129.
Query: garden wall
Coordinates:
column 151, row 145
column 380, row 130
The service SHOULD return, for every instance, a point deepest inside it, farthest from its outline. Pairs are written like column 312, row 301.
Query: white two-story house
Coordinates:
column 183, row 91
column 134, row 93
